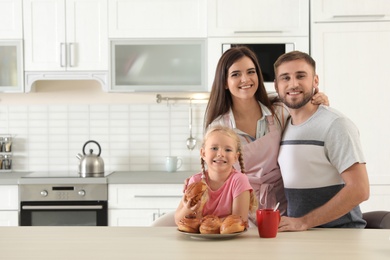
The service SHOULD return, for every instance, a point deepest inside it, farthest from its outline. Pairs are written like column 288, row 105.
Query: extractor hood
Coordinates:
column 32, row 77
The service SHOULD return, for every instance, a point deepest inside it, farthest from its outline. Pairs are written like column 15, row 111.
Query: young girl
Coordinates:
column 229, row 190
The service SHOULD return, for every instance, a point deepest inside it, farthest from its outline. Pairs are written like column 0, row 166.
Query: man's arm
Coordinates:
column 355, row 191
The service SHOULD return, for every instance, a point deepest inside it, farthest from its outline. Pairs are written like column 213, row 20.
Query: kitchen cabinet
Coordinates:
column 168, row 65
column 11, row 66
column 352, row 66
column 65, row 35
column 10, row 19
column 9, row 218
column 258, row 18
column 135, row 217
column 11, row 46
column 9, row 205
column 350, row 10
column 141, row 204
column 379, row 198
column 156, row 18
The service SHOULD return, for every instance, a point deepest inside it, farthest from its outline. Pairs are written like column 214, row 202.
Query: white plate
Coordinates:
column 212, row 236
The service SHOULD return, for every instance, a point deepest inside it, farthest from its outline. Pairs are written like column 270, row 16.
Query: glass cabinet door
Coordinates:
column 145, row 66
column 11, row 68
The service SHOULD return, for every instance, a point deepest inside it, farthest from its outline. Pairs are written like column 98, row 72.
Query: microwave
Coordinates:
column 267, row 51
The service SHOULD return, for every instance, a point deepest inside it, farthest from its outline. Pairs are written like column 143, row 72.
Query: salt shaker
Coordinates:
column 7, row 143
column 7, row 162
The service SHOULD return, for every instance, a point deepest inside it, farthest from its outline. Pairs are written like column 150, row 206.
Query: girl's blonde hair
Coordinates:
column 253, row 205
column 229, row 132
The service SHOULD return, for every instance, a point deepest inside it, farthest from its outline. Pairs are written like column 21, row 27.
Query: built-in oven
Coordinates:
column 48, row 204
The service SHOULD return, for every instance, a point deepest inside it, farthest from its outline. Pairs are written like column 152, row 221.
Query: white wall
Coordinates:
column 135, row 132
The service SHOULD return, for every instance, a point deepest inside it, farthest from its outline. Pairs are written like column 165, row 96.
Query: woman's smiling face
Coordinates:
column 242, row 79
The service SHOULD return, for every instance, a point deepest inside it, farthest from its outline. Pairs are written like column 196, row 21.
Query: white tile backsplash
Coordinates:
column 132, row 137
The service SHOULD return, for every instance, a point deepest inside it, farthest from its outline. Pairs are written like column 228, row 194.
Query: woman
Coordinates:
column 239, row 100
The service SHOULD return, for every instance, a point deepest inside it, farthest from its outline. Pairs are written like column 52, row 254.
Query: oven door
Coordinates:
column 63, row 213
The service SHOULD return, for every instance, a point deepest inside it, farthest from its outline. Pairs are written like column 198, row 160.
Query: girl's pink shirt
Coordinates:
column 220, row 202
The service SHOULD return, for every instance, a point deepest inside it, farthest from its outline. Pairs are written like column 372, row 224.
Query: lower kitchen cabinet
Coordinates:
column 379, row 199
column 141, row 204
column 134, row 217
column 9, row 218
column 9, row 215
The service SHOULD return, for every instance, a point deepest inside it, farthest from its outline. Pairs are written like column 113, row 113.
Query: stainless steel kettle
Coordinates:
column 91, row 165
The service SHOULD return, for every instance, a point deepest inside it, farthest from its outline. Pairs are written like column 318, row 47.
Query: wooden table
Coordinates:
column 168, row 243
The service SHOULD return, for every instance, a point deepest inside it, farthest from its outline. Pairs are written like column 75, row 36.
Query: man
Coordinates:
column 320, row 157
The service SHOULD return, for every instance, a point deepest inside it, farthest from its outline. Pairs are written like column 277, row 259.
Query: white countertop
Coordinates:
column 119, row 177
column 168, row 243
column 149, row 177
column 140, row 177
column 11, row 178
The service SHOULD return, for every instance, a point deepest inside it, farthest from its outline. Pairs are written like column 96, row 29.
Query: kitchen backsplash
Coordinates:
column 133, row 137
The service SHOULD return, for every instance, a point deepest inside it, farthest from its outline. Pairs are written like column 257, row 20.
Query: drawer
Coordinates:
column 8, row 197
column 9, row 218
column 144, row 196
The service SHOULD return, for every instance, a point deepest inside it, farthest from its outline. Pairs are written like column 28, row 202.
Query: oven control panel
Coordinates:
column 61, row 192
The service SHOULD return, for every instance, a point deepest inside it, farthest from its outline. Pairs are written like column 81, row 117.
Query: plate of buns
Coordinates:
column 212, row 227
column 212, row 236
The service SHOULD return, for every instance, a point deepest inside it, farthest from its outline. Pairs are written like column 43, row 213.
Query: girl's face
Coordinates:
column 242, row 79
column 219, row 152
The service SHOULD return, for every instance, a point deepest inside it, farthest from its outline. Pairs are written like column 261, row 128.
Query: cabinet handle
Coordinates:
column 71, row 54
column 360, row 16
column 62, row 55
column 155, row 196
column 264, row 31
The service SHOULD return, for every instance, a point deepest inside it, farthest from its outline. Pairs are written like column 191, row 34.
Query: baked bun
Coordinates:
column 232, row 224
column 189, row 224
column 210, row 224
column 194, row 192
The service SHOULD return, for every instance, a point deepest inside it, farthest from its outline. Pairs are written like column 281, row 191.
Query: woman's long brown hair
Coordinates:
column 220, row 100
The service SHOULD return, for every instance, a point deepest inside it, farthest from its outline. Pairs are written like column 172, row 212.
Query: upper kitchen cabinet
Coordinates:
column 11, row 19
column 158, row 65
column 65, row 39
column 65, row 35
column 258, row 18
column 157, row 19
column 11, row 66
column 350, row 10
column 11, row 46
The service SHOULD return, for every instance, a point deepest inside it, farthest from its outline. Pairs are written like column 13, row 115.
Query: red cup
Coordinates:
column 267, row 222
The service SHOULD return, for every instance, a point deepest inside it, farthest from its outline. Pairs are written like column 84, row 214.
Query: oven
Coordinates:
column 48, row 204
